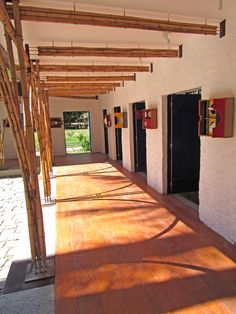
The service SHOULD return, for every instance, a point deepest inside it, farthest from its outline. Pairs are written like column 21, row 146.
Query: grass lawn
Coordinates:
column 77, row 139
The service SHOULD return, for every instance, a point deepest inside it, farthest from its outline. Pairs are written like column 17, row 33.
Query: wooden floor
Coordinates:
column 123, row 248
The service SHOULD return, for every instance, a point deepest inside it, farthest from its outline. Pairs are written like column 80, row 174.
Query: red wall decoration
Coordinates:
column 216, row 117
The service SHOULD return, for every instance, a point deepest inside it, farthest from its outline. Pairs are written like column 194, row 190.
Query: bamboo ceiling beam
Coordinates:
column 107, row 52
column 110, row 20
column 80, row 90
column 90, row 78
column 80, row 97
column 93, row 68
column 79, row 85
column 76, row 92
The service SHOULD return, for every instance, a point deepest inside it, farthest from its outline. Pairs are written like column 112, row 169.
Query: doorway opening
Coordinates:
column 77, row 132
column 184, row 145
column 118, row 135
column 139, row 138
column 105, row 133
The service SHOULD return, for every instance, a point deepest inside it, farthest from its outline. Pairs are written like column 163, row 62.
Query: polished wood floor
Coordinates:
column 123, row 248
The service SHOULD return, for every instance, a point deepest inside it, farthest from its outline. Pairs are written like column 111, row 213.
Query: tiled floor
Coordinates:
column 123, row 248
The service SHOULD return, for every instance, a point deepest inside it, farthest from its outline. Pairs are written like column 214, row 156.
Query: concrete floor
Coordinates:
column 33, row 301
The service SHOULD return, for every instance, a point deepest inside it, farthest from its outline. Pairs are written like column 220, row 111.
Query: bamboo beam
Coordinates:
column 93, row 68
column 110, row 20
column 79, row 85
column 80, row 97
column 90, row 78
column 80, row 91
column 106, row 52
column 76, row 92
column 5, row 19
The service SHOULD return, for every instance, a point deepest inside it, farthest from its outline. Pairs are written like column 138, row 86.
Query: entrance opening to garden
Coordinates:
column 77, row 132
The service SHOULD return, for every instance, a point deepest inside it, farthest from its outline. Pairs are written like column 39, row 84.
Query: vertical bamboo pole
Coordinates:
column 11, row 110
column 47, row 114
column 29, row 132
column 12, row 69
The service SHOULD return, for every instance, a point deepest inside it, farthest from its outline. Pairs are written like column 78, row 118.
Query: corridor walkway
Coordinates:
column 123, row 248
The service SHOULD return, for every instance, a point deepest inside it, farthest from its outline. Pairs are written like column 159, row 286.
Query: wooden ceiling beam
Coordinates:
column 93, row 68
column 80, row 85
column 90, row 78
column 57, row 51
column 110, row 20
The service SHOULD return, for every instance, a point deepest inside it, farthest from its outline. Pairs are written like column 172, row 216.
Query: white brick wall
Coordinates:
column 209, row 63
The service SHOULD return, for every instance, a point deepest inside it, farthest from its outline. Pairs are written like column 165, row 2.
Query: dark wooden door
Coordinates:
column 183, row 143
column 118, row 135
column 105, row 133
column 139, row 139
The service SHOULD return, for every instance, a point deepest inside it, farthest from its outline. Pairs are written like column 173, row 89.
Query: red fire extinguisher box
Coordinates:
column 150, row 119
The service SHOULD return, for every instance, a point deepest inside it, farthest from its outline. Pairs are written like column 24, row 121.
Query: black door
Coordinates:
column 139, row 139
column 183, row 143
column 105, row 133
column 118, row 134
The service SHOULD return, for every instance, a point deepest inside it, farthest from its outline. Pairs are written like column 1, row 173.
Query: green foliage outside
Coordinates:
column 77, row 141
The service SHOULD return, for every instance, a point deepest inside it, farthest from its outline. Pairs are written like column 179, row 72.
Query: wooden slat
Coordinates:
column 109, row 20
column 107, row 52
column 90, row 78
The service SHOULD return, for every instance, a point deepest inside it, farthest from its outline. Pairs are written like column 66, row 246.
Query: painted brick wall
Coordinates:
column 209, row 63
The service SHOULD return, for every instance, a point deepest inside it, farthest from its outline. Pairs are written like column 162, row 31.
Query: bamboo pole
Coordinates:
column 37, row 104
column 12, row 68
column 110, row 20
column 48, row 125
column 4, row 18
column 107, row 52
column 93, row 68
column 90, row 78
column 21, row 149
column 78, row 86
column 54, row 93
column 29, row 132
column 2, row 136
